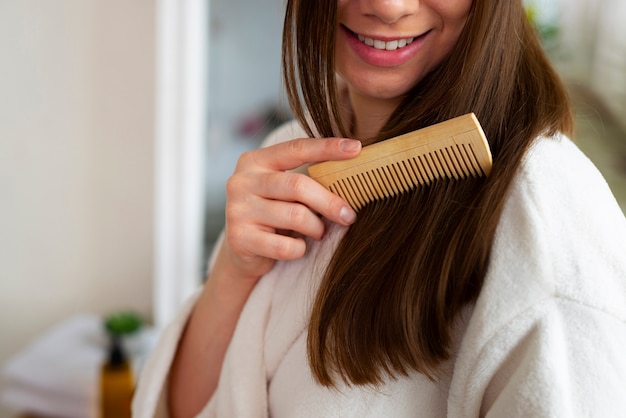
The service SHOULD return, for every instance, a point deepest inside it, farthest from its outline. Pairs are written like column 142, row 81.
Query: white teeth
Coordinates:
column 389, row 46
column 379, row 44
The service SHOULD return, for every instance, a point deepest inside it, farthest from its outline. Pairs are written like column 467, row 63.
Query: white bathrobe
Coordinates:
column 546, row 337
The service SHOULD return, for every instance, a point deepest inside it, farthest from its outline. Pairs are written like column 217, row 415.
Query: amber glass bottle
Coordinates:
column 116, row 383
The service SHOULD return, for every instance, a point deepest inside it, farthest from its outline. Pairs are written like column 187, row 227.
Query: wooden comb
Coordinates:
column 456, row 148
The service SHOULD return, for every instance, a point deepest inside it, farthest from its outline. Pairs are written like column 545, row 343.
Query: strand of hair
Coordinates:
column 432, row 168
column 451, row 163
column 385, row 181
column 425, row 168
column 406, row 166
column 472, row 161
column 391, row 181
column 471, row 169
column 359, row 189
column 408, row 180
column 352, row 192
column 472, row 155
column 371, row 193
column 381, row 181
column 399, row 178
column 373, row 181
column 343, row 193
column 419, row 172
column 356, row 189
column 465, row 169
column 442, row 163
column 454, row 162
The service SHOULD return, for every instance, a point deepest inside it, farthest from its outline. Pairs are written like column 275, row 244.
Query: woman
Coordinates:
column 502, row 296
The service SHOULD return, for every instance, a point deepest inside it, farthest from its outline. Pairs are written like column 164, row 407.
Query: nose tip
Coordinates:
column 389, row 11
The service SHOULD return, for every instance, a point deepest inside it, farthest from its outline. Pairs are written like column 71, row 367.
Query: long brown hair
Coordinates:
column 406, row 268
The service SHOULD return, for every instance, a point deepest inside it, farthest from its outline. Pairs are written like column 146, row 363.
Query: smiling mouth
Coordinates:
column 384, row 45
column 387, row 45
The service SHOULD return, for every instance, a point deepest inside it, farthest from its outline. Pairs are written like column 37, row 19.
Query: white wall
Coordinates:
column 578, row 22
column 76, row 161
column 609, row 58
column 591, row 47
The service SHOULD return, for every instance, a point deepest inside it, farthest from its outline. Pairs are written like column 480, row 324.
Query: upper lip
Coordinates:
column 384, row 38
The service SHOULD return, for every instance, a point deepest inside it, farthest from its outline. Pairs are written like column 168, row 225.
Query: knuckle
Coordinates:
column 286, row 249
column 332, row 145
column 282, row 249
column 296, row 147
column 238, row 186
column 236, row 237
column 236, row 214
column 232, row 184
column 297, row 215
column 330, row 204
column 297, row 183
column 237, row 181
column 246, row 159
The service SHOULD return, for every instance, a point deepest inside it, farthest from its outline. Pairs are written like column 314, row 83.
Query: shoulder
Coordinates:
column 555, row 290
column 557, row 358
column 556, row 168
column 562, row 230
column 561, row 235
column 285, row 132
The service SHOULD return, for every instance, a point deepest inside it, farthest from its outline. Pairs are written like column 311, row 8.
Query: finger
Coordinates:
column 290, row 216
column 295, row 187
column 275, row 215
column 254, row 242
column 292, row 154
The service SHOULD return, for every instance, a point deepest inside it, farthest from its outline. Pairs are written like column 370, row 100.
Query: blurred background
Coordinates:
column 120, row 122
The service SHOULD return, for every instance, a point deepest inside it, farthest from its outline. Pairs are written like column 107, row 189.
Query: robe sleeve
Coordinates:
column 150, row 400
column 548, row 331
column 568, row 363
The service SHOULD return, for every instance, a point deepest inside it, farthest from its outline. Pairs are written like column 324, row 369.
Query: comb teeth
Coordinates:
column 457, row 162
column 455, row 149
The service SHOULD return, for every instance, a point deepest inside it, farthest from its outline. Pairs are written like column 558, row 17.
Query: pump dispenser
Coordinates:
column 116, row 383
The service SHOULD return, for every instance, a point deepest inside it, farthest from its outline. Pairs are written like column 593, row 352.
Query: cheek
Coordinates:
column 341, row 7
column 454, row 10
column 454, row 16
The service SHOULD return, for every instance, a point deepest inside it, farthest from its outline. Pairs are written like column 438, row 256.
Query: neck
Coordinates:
column 369, row 115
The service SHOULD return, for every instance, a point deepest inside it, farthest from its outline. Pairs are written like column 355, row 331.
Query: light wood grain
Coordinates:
column 453, row 149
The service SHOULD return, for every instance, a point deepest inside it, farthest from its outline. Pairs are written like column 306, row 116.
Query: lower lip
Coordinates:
column 382, row 57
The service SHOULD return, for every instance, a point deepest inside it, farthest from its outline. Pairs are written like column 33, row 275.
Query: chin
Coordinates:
column 381, row 86
column 385, row 91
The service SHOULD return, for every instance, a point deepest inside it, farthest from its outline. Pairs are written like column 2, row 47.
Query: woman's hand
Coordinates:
column 265, row 200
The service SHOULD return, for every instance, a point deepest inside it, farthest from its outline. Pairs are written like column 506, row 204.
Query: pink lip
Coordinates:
column 383, row 58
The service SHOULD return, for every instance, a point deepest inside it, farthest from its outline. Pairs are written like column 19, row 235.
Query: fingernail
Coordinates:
column 349, row 145
column 347, row 215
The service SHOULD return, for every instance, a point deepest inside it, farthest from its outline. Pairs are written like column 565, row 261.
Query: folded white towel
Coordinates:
column 65, row 362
